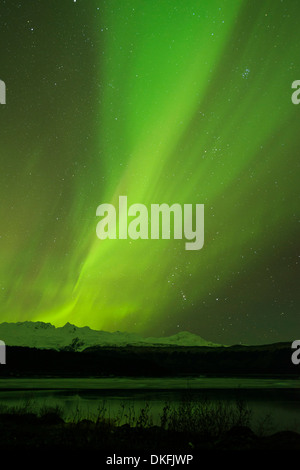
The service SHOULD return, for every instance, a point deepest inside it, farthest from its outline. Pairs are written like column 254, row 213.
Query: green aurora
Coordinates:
column 164, row 102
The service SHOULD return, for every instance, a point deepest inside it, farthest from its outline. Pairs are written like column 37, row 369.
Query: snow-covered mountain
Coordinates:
column 46, row 336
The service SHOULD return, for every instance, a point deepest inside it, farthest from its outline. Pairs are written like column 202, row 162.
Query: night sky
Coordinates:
column 165, row 101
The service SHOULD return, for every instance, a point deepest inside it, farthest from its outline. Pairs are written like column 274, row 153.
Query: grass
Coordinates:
column 29, row 407
column 205, row 417
column 182, row 425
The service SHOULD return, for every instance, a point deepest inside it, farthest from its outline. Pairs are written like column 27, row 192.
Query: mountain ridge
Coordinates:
column 47, row 336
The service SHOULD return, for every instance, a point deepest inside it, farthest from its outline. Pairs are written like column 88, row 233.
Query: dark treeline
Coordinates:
column 274, row 360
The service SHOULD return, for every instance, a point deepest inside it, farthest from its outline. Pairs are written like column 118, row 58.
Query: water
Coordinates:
column 274, row 400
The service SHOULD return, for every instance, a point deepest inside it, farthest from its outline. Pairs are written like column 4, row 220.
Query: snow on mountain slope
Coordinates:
column 184, row 338
column 46, row 336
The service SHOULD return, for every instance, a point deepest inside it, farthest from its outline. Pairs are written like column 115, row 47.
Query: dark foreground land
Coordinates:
column 49, row 432
column 182, row 431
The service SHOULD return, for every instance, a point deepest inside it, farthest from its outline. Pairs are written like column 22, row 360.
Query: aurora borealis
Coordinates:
column 176, row 101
